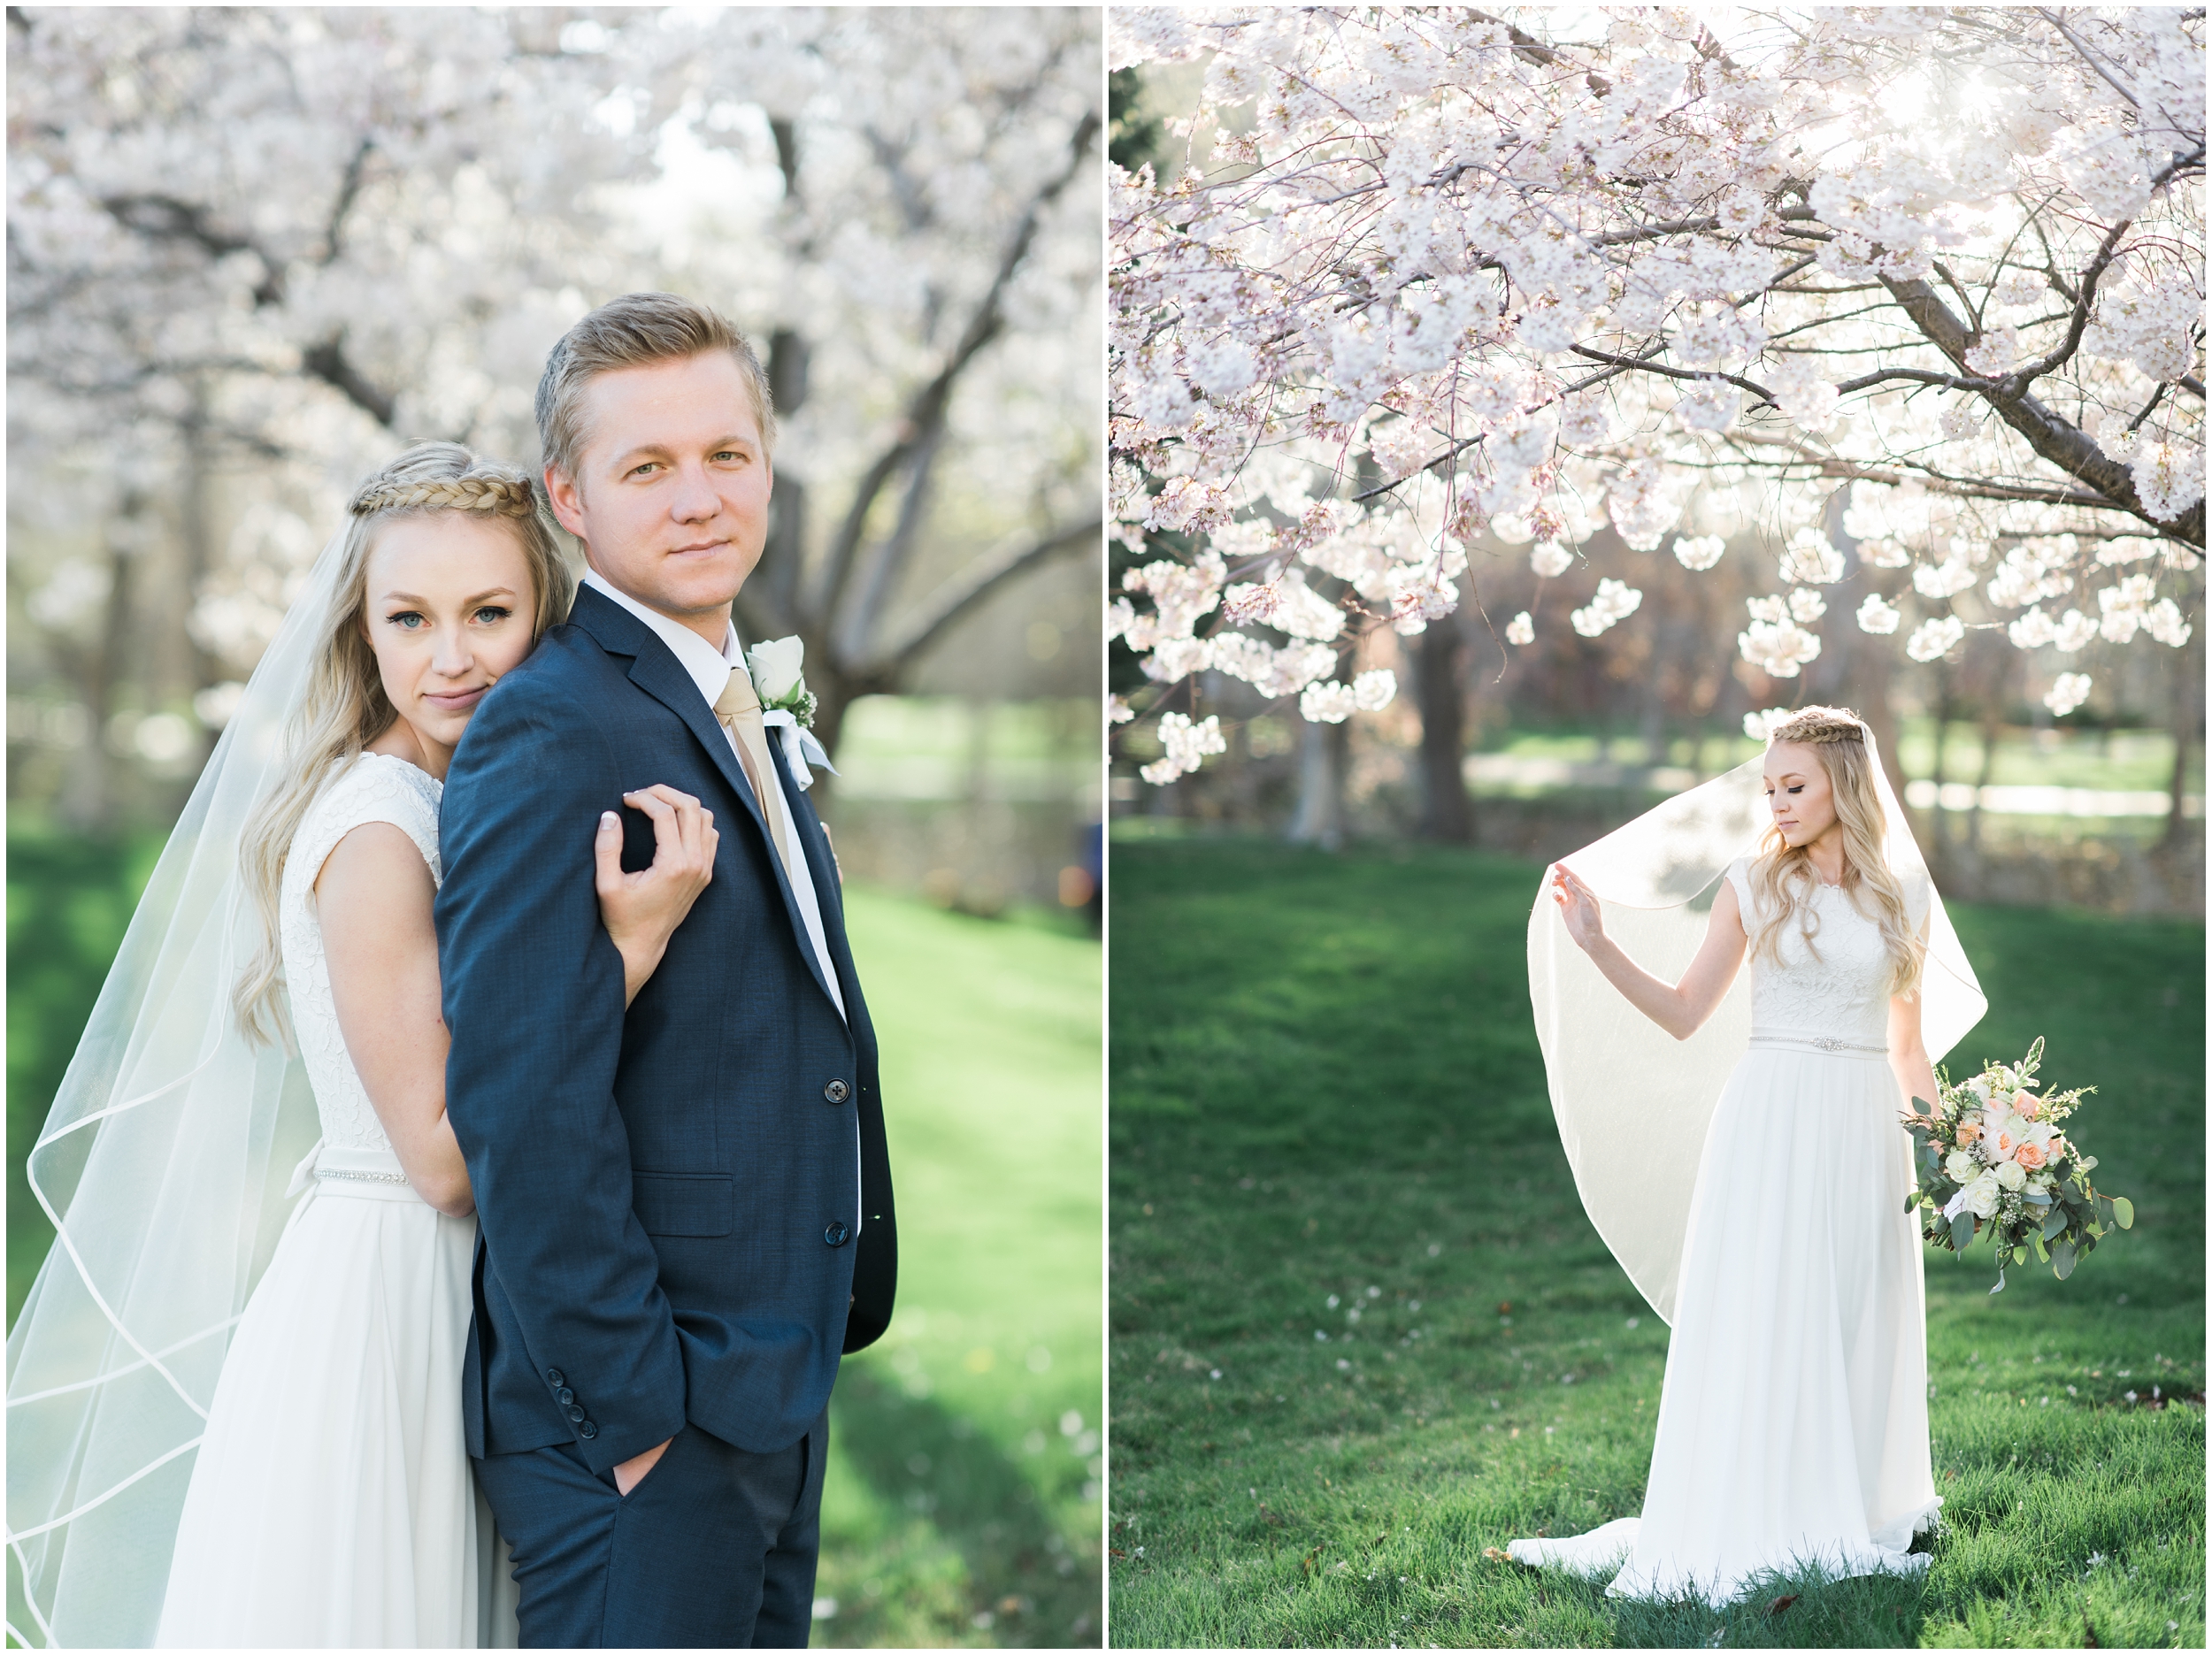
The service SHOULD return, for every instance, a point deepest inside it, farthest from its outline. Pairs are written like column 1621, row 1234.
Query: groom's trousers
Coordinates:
column 714, row 1550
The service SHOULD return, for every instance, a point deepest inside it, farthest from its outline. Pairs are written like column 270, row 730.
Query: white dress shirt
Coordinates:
column 710, row 669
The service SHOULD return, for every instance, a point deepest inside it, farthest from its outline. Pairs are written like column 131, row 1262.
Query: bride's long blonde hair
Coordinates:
column 344, row 707
column 1783, row 877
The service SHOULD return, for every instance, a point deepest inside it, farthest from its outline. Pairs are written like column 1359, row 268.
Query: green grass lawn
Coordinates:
column 1328, row 1096
column 962, row 1505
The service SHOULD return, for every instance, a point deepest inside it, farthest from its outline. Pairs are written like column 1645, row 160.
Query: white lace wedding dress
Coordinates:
column 332, row 1503
column 1793, row 1428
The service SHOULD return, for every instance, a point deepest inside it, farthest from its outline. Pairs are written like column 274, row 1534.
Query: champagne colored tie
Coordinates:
column 738, row 710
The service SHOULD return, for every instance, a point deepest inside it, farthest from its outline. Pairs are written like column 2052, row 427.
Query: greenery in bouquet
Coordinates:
column 1991, row 1158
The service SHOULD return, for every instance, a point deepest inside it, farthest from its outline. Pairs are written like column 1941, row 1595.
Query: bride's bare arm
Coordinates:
column 1908, row 1051
column 1680, row 1008
column 373, row 898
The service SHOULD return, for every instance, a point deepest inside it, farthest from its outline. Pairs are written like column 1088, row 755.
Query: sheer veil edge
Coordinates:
column 163, row 1167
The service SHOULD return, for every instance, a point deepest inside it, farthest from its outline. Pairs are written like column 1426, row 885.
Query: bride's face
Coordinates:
column 1799, row 792
column 448, row 612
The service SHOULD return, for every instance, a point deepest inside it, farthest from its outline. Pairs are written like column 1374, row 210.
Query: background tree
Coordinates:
column 1927, row 287
column 251, row 252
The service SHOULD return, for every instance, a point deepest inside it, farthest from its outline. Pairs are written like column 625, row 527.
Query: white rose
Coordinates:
column 2012, row 1175
column 1962, row 1166
column 776, row 667
column 1980, row 1196
column 1979, row 1087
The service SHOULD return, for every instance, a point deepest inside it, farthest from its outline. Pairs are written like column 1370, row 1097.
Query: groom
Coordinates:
column 685, row 1208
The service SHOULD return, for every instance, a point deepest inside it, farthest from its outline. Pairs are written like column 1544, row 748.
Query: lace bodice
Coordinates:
column 1837, row 985
column 375, row 788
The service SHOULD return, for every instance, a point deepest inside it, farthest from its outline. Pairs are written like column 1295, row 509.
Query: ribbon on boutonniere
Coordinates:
column 787, row 706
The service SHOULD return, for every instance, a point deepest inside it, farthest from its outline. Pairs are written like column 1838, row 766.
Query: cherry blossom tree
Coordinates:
column 253, row 251
column 932, row 257
column 1911, row 299
column 261, row 243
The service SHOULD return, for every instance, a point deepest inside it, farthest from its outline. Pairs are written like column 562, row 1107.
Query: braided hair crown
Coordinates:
column 468, row 483
column 1816, row 726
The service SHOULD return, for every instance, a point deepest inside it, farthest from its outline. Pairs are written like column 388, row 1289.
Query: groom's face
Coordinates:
column 671, row 495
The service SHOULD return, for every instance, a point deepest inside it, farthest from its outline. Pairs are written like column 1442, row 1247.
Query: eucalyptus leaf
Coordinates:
column 2054, row 1225
column 2063, row 1258
column 2123, row 1210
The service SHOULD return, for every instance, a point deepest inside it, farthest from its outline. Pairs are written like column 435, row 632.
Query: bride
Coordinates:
column 1792, row 1426
column 330, row 1501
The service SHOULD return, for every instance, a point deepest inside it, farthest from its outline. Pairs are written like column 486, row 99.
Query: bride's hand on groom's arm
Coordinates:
column 642, row 910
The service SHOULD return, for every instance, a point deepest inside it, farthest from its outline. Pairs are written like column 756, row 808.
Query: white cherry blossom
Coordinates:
column 2069, row 691
column 1457, row 280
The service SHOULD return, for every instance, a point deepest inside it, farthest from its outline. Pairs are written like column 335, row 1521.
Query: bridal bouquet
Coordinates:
column 1992, row 1158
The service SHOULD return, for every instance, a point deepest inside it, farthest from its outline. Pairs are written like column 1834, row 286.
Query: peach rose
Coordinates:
column 1968, row 1131
column 2028, row 1104
column 2030, row 1157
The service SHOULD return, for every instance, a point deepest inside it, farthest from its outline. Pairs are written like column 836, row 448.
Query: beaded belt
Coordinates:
column 357, row 1172
column 1826, row 1043
column 359, row 1184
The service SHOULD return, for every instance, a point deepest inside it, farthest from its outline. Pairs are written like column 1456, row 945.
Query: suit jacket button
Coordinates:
column 837, row 1235
column 587, row 1430
column 837, row 1092
column 575, row 1413
column 553, row 1377
column 564, row 1396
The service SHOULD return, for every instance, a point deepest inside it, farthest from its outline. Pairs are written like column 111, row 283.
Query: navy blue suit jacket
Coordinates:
column 669, row 1227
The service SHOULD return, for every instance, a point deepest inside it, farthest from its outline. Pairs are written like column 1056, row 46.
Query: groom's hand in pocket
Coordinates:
column 630, row 1473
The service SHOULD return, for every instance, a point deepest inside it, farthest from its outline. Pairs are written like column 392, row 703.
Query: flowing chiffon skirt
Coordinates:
column 331, row 1504
column 1793, row 1428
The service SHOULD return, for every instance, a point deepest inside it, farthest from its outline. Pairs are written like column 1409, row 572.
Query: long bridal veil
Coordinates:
column 1632, row 1103
column 164, row 1168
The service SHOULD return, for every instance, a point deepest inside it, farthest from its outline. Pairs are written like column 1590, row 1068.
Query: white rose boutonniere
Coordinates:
column 779, row 679
column 778, row 670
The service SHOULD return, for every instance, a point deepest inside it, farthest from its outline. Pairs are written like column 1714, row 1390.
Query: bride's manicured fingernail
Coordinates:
column 608, row 819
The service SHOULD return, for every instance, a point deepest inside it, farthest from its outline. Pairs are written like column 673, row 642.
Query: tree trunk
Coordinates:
column 1945, row 708
column 2188, row 725
column 1447, row 813
column 1324, row 757
column 86, row 801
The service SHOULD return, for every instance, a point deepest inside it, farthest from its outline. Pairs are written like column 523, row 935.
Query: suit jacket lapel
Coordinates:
column 657, row 671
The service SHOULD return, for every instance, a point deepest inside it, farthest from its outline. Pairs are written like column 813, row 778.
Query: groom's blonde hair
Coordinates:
column 636, row 331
